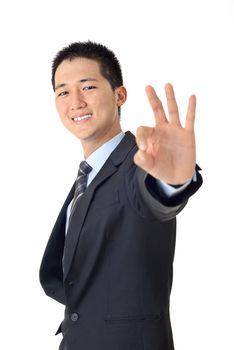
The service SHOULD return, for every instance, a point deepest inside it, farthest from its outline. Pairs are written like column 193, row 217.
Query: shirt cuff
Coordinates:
column 170, row 191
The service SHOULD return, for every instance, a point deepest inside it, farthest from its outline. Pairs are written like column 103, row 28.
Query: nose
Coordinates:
column 77, row 100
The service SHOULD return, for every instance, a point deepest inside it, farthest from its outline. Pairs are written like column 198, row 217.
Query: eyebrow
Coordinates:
column 79, row 81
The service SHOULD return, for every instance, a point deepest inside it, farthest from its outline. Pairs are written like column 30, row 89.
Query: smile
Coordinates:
column 83, row 117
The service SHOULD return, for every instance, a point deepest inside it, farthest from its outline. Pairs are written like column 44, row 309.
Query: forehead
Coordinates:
column 77, row 69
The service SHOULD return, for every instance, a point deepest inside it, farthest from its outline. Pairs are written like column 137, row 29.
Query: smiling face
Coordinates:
column 86, row 103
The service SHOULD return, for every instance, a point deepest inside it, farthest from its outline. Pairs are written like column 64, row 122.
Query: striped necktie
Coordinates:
column 81, row 184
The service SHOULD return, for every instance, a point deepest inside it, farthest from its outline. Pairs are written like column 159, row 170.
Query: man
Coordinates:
column 110, row 254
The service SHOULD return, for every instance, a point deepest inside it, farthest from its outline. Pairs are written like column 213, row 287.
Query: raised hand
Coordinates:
column 167, row 151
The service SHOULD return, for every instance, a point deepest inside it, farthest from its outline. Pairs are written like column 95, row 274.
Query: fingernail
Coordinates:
column 141, row 155
column 142, row 146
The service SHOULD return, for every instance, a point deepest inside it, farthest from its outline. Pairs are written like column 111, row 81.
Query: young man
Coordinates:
column 110, row 255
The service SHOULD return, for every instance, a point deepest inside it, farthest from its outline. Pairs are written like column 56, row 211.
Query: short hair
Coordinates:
column 109, row 65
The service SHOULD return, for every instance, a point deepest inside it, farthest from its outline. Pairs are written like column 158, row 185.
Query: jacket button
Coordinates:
column 74, row 317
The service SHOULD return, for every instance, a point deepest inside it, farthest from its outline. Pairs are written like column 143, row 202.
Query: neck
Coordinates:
column 91, row 146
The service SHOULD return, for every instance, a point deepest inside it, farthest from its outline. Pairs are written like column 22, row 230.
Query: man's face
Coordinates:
column 86, row 103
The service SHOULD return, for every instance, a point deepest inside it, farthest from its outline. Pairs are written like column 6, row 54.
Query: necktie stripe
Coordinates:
column 81, row 183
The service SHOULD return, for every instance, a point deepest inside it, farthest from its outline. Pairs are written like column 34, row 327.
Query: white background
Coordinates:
column 190, row 44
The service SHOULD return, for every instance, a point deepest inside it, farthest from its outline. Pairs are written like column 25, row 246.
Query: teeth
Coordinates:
column 83, row 117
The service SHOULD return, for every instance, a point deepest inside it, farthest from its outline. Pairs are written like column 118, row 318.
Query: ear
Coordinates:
column 120, row 95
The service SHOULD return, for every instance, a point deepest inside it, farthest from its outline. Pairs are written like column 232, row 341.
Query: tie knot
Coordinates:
column 84, row 168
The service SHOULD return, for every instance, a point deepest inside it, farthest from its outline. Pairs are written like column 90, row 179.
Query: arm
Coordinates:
column 167, row 150
column 161, row 206
column 167, row 153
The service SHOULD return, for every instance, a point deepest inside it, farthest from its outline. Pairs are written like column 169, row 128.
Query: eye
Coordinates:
column 90, row 87
column 63, row 93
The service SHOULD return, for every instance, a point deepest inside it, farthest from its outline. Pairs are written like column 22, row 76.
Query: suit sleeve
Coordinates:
column 151, row 201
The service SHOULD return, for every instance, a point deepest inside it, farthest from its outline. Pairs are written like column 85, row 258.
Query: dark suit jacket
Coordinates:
column 118, row 258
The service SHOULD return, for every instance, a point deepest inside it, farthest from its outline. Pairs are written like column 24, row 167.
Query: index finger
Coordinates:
column 156, row 105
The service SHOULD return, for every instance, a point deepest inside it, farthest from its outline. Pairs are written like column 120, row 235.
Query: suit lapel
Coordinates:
column 80, row 212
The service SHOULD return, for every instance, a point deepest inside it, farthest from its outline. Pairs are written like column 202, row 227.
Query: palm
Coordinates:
column 167, row 151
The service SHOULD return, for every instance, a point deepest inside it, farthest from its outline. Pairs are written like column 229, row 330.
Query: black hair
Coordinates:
column 108, row 62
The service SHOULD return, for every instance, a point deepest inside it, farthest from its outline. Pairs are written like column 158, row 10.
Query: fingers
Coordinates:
column 156, row 105
column 159, row 114
column 172, row 105
column 190, row 118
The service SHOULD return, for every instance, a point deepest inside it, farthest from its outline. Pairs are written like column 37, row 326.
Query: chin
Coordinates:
column 84, row 137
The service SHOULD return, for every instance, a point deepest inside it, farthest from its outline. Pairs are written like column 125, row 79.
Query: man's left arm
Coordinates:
column 167, row 155
column 164, row 205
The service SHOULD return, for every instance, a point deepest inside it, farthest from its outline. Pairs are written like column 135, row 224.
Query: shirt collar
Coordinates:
column 97, row 159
